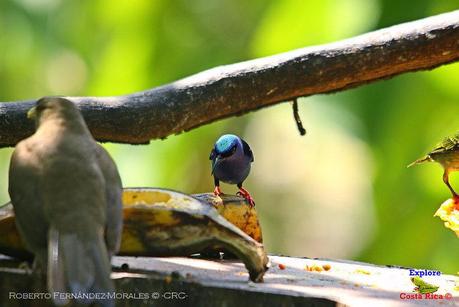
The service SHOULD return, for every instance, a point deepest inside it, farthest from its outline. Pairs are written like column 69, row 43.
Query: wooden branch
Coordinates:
column 239, row 88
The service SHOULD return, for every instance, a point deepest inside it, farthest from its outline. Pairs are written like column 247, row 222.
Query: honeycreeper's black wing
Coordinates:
column 247, row 151
column 212, row 154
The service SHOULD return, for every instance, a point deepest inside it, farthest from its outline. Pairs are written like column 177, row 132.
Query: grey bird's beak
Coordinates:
column 32, row 113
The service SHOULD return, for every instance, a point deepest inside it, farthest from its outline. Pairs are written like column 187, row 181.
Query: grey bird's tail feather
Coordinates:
column 78, row 266
column 421, row 160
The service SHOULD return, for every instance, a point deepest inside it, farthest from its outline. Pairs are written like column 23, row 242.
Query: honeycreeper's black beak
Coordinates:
column 214, row 163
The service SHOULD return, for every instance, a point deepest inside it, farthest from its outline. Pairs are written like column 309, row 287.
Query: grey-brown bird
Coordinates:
column 66, row 194
column 446, row 153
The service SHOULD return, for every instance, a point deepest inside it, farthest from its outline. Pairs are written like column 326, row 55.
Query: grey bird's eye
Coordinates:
column 40, row 107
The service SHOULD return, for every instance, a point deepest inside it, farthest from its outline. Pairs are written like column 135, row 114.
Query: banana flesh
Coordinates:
column 10, row 240
column 159, row 222
column 237, row 211
column 449, row 214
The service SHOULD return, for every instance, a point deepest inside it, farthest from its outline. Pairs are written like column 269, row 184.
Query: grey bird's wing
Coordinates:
column 75, row 205
column 26, row 197
column 113, row 192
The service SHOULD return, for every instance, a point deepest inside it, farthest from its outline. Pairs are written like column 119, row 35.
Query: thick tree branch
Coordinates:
column 239, row 88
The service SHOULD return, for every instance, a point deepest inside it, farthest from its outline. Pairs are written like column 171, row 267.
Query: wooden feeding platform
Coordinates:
column 197, row 281
column 191, row 281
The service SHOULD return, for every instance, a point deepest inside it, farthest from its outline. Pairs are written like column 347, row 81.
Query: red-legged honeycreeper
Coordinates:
column 231, row 159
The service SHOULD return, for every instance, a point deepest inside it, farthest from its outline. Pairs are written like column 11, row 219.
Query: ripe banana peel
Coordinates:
column 160, row 222
column 237, row 211
column 10, row 240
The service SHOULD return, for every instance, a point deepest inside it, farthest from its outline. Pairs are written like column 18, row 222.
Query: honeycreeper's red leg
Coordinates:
column 217, row 190
column 244, row 193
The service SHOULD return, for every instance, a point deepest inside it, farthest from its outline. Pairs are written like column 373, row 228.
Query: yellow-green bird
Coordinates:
column 447, row 154
column 66, row 194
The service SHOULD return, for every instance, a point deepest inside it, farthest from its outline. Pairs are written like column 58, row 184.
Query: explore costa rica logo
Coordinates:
column 423, row 289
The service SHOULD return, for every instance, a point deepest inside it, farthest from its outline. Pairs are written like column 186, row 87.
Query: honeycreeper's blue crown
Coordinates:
column 225, row 143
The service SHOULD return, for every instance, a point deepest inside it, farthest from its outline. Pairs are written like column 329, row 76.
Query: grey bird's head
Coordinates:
column 56, row 110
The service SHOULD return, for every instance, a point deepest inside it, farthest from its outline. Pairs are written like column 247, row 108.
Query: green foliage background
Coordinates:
column 53, row 47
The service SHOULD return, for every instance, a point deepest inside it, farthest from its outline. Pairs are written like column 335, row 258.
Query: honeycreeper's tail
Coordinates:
column 79, row 267
column 421, row 160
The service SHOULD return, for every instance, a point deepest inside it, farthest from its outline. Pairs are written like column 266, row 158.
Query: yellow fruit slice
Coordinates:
column 449, row 213
column 237, row 211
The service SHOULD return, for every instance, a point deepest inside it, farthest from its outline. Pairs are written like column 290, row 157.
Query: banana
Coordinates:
column 159, row 222
column 237, row 211
column 10, row 240
column 449, row 214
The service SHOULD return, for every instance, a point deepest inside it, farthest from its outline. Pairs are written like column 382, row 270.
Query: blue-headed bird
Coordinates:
column 231, row 159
